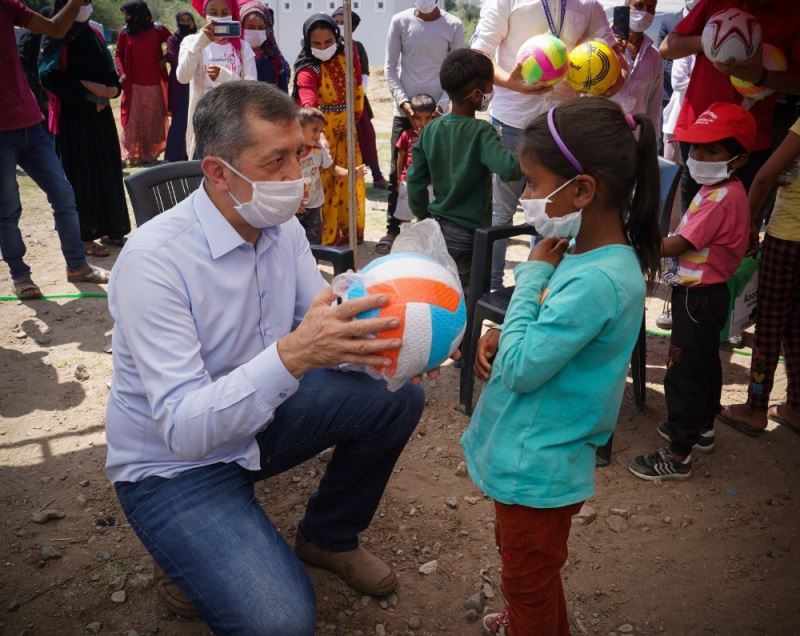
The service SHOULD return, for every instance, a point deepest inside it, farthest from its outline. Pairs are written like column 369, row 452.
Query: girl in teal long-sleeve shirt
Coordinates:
column 556, row 377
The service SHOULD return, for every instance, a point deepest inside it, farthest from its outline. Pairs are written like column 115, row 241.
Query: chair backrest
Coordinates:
column 157, row 189
column 670, row 177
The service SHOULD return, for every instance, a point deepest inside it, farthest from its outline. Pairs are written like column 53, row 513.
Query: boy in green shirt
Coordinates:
column 457, row 155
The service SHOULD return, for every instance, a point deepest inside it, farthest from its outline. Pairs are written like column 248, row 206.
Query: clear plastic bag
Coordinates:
column 421, row 280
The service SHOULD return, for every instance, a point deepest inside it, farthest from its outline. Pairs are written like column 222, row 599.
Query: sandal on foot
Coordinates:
column 96, row 250
column 497, row 623
column 93, row 275
column 384, row 246
column 727, row 417
column 115, row 241
column 774, row 414
column 26, row 289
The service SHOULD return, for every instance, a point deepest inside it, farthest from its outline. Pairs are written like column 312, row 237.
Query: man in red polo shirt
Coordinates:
column 710, row 82
column 24, row 143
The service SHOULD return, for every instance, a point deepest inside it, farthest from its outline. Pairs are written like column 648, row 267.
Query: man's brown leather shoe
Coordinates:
column 171, row 595
column 360, row 569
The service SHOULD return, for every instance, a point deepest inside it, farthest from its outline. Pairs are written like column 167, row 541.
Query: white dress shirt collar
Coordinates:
column 221, row 235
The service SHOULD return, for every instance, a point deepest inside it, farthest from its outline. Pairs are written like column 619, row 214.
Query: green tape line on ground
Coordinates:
column 57, row 296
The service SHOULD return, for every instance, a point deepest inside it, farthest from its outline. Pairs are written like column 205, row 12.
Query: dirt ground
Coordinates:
column 715, row 554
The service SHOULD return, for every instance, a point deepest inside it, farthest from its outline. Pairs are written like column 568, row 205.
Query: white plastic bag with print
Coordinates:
column 421, row 281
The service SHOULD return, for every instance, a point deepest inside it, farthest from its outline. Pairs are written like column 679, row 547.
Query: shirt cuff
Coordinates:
column 200, row 43
column 271, row 381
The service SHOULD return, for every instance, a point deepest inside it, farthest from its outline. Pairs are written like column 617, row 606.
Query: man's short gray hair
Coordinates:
column 220, row 119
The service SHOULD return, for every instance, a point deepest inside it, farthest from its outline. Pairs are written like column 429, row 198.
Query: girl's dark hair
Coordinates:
column 598, row 134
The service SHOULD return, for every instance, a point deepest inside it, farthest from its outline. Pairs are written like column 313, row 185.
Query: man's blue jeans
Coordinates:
column 33, row 151
column 206, row 530
column 505, row 198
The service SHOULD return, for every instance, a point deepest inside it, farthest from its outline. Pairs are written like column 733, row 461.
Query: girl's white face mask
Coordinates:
column 709, row 172
column 273, row 202
column 255, row 37
column 566, row 226
column 323, row 55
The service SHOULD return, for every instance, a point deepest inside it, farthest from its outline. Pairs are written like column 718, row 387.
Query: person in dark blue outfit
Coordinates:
column 178, row 94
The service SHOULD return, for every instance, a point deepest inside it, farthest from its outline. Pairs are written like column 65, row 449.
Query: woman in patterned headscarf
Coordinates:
column 258, row 31
column 364, row 128
column 141, row 67
column 319, row 81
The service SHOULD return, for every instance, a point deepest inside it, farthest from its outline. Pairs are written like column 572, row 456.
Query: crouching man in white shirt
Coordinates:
column 224, row 338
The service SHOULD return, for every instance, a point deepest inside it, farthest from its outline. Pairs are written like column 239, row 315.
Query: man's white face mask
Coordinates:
column 273, row 202
column 426, row 6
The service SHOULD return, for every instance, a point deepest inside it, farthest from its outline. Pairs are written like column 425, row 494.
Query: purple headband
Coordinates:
column 560, row 142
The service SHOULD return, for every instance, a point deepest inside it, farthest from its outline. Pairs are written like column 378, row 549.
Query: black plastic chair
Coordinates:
column 670, row 176
column 155, row 190
column 482, row 304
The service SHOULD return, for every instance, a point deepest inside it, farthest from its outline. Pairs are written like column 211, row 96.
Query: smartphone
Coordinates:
column 621, row 23
column 227, row 29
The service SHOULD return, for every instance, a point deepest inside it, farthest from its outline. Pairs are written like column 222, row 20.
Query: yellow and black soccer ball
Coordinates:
column 593, row 68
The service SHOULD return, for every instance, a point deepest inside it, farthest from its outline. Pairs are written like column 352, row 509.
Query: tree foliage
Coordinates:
column 108, row 12
column 468, row 11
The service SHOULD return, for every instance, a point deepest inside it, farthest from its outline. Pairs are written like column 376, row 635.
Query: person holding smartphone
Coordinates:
column 644, row 87
column 208, row 58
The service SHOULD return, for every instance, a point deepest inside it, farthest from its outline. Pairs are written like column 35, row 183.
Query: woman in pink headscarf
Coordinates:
column 206, row 61
column 258, row 30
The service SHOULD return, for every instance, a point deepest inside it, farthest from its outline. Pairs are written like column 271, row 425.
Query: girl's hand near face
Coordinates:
column 208, row 30
column 549, row 250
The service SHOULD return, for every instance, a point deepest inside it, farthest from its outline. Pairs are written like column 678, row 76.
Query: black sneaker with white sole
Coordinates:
column 660, row 465
column 703, row 445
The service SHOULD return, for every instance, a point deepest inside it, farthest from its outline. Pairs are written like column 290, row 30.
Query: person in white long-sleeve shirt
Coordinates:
column 418, row 41
column 205, row 62
column 227, row 347
column 503, row 27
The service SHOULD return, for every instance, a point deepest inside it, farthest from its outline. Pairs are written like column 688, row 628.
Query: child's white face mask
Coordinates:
column 709, row 172
column 566, row 226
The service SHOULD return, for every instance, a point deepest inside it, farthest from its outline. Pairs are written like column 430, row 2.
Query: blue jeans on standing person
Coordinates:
column 208, row 533
column 505, row 199
column 32, row 150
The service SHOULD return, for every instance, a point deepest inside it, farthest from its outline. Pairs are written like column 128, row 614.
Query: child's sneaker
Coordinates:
column 660, row 465
column 703, row 445
column 497, row 623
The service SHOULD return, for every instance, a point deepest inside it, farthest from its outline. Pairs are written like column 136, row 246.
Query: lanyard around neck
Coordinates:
column 550, row 22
